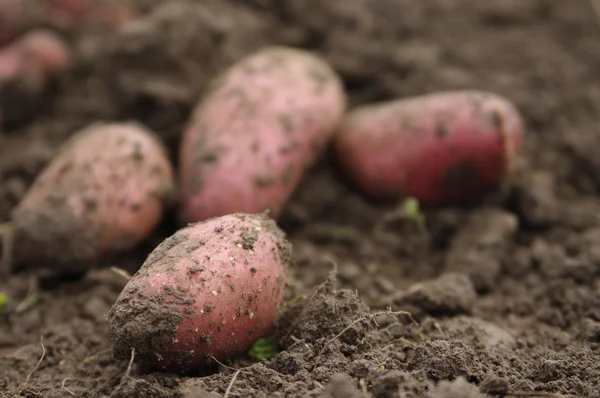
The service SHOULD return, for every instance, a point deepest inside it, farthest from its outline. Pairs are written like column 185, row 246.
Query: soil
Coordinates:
column 504, row 290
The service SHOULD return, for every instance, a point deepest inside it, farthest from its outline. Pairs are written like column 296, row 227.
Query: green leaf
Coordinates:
column 411, row 210
column 264, row 349
column 3, row 300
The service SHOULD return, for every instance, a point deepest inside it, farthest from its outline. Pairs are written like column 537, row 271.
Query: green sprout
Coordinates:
column 411, row 210
column 3, row 300
column 264, row 349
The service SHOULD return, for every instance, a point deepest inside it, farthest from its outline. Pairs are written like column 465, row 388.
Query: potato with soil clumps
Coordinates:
column 440, row 148
column 210, row 290
column 264, row 121
column 104, row 192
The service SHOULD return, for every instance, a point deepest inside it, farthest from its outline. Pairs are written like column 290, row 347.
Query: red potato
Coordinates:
column 18, row 16
column 35, row 56
column 209, row 291
column 77, row 13
column 439, row 148
column 27, row 67
column 265, row 121
column 11, row 14
column 105, row 191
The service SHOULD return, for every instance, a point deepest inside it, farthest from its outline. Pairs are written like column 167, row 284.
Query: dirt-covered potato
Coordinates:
column 439, row 148
column 210, row 290
column 105, row 191
column 264, row 121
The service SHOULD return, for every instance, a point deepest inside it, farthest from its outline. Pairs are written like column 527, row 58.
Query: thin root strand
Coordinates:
column 37, row 365
column 121, row 272
column 222, row 364
column 128, row 371
column 235, row 375
column 63, row 387
column 371, row 317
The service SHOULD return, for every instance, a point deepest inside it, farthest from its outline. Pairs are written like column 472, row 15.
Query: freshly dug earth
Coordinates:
column 505, row 290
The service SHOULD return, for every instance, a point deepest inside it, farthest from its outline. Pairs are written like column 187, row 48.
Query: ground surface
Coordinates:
column 506, row 291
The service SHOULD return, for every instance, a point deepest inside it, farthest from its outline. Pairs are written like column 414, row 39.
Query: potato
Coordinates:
column 39, row 54
column 263, row 123
column 27, row 66
column 210, row 290
column 440, row 148
column 18, row 16
column 105, row 191
column 11, row 12
column 78, row 13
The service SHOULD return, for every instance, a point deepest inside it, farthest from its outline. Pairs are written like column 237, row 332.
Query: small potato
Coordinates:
column 19, row 16
column 439, row 148
column 39, row 54
column 104, row 192
column 77, row 13
column 27, row 66
column 257, row 130
column 11, row 15
column 210, row 290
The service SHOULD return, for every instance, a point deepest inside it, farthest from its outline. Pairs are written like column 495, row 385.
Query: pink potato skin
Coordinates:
column 264, row 121
column 105, row 191
column 440, row 148
column 37, row 55
column 19, row 16
column 11, row 15
column 210, row 290
column 77, row 13
column 27, row 67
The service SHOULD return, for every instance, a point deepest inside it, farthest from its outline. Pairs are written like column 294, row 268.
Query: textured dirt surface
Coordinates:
column 505, row 289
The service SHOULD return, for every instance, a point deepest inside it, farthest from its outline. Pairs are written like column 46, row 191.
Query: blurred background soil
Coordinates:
column 505, row 289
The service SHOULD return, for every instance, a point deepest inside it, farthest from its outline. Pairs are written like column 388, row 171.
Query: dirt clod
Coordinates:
column 450, row 294
column 478, row 248
column 341, row 386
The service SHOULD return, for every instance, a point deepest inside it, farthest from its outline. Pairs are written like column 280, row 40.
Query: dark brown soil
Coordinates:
column 505, row 289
